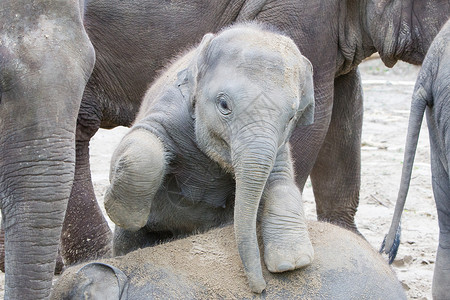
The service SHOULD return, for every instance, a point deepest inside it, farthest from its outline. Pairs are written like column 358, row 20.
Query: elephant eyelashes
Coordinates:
column 223, row 104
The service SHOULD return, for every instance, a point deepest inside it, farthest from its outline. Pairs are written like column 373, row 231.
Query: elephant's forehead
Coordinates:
column 251, row 38
column 267, row 77
column 259, row 57
column 249, row 80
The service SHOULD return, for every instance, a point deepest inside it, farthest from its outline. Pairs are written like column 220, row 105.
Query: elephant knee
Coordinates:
column 137, row 171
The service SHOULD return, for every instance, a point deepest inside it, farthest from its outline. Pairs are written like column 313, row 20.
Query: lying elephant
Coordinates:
column 211, row 140
column 56, row 55
column 207, row 266
column 431, row 93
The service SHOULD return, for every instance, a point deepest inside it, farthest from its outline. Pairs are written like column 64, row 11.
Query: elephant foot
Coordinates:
column 284, row 230
column 291, row 254
column 441, row 276
column 286, row 243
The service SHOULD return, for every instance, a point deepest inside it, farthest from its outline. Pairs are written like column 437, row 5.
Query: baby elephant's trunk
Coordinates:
column 252, row 166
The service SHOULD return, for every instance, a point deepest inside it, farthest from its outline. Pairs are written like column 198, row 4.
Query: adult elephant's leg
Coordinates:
column 2, row 248
column 59, row 263
column 306, row 141
column 441, row 191
column 336, row 174
column 46, row 59
column 86, row 234
column 441, row 276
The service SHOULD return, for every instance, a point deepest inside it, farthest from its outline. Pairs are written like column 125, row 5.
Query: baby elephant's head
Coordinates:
column 249, row 89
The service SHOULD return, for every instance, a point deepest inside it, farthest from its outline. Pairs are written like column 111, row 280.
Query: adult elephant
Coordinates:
column 46, row 59
column 431, row 94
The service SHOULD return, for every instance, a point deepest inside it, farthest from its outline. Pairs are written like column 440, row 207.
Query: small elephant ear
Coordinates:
column 306, row 107
column 99, row 281
column 188, row 78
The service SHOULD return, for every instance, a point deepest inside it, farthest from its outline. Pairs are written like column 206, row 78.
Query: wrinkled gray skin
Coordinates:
column 432, row 94
column 212, row 134
column 46, row 59
column 206, row 266
column 43, row 72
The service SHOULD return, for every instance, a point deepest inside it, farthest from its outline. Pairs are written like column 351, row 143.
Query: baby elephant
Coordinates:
column 432, row 93
column 206, row 266
column 211, row 142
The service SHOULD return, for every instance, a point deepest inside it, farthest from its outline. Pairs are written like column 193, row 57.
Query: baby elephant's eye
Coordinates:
column 223, row 104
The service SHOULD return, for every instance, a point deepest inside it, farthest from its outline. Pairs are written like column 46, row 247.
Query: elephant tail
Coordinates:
column 391, row 241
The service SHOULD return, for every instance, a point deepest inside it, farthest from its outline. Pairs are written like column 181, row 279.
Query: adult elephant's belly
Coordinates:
column 186, row 204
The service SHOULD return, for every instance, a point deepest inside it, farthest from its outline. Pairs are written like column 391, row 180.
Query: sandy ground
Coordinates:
column 387, row 94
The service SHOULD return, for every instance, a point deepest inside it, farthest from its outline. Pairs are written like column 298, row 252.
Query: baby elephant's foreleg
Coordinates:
column 137, row 170
column 284, row 229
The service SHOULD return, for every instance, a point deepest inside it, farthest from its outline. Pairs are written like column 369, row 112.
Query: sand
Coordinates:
column 387, row 94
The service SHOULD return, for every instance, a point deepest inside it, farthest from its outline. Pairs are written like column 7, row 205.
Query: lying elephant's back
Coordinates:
column 208, row 266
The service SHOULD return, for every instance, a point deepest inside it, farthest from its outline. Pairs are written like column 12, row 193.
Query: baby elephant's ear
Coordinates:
column 188, row 78
column 93, row 281
column 306, row 107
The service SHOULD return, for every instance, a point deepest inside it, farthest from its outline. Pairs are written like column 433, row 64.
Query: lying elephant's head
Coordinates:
column 249, row 89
